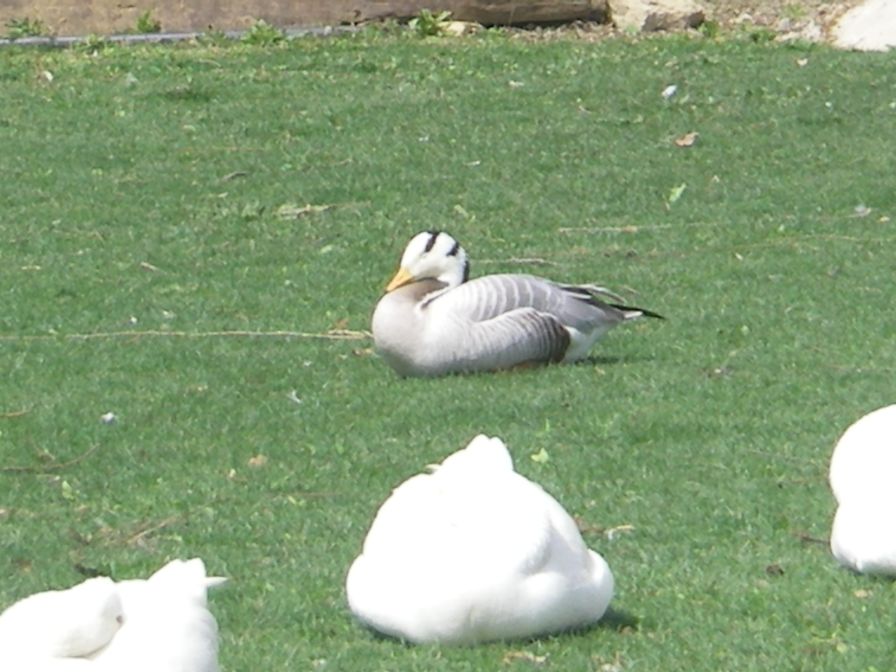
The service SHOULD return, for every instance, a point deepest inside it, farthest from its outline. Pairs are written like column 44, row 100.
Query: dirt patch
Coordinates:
column 807, row 19
column 811, row 19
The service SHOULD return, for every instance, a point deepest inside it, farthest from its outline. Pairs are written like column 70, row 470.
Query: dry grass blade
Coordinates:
column 148, row 529
column 332, row 334
column 15, row 414
column 50, row 467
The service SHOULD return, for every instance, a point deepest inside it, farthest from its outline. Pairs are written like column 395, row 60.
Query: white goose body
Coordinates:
column 168, row 626
column 863, row 480
column 433, row 320
column 475, row 552
column 161, row 624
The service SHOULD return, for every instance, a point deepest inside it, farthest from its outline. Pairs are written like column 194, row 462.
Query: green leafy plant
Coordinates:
column 93, row 44
column 26, row 27
column 427, row 24
column 795, row 11
column 762, row 34
column 710, row 29
column 263, row 34
column 147, row 23
column 214, row 37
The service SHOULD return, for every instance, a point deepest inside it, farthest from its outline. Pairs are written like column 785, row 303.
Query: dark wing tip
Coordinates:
column 633, row 309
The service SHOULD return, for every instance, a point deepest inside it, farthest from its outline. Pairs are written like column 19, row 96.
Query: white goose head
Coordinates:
column 63, row 623
column 432, row 255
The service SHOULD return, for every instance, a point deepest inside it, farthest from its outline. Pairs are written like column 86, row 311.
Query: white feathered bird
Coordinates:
column 863, row 480
column 433, row 320
column 161, row 624
column 57, row 629
column 475, row 552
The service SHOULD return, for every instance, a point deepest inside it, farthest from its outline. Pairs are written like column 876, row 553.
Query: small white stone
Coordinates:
column 669, row 91
column 109, row 418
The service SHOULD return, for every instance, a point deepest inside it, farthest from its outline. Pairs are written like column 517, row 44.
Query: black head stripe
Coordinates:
column 432, row 240
column 454, row 250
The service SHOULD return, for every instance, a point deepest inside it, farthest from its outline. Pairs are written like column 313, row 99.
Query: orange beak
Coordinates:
column 403, row 277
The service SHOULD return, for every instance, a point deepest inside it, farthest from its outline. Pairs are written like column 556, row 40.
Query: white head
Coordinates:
column 64, row 623
column 186, row 579
column 483, row 457
column 432, row 255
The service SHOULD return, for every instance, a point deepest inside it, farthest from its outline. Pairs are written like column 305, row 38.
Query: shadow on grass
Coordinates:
column 613, row 619
column 600, row 360
column 616, row 619
column 611, row 360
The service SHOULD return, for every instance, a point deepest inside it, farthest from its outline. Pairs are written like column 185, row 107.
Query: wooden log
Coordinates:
column 490, row 13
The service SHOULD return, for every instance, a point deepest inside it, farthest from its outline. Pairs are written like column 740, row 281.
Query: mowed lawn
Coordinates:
column 167, row 213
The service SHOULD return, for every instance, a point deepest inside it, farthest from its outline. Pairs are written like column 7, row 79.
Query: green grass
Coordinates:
column 140, row 193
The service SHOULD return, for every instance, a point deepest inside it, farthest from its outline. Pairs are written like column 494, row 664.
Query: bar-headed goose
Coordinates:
column 862, row 475
column 433, row 320
column 161, row 624
column 475, row 552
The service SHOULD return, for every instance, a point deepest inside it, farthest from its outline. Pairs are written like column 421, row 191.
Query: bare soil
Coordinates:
column 807, row 19
column 811, row 20
column 787, row 17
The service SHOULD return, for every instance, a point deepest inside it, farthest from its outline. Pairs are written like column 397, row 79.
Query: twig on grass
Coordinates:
column 290, row 211
column 332, row 334
column 147, row 529
column 52, row 466
column 809, row 539
column 15, row 414
column 614, row 229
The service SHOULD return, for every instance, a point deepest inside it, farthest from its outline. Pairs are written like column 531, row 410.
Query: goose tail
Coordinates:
column 630, row 312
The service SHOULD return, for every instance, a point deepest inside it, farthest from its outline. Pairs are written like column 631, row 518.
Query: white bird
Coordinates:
column 862, row 477
column 475, row 552
column 57, row 629
column 168, row 626
column 161, row 624
column 433, row 320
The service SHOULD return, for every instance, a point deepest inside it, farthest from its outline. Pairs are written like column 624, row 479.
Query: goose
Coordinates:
column 433, row 320
column 862, row 472
column 168, row 626
column 475, row 552
column 57, row 629
column 161, row 624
